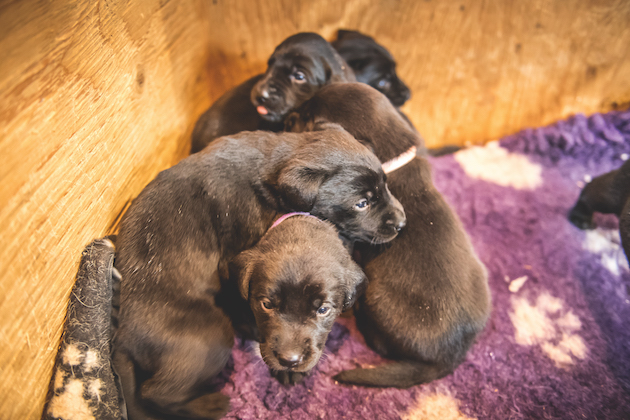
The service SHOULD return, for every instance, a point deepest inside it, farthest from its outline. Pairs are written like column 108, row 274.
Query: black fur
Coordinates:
column 372, row 64
column 277, row 90
column 427, row 296
column 182, row 230
column 298, row 268
column 608, row 193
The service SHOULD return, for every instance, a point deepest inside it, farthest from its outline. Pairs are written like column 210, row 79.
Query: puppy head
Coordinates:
column 361, row 110
column 337, row 179
column 299, row 66
column 297, row 280
column 372, row 64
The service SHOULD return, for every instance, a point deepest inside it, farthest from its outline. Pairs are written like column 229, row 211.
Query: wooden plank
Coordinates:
column 97, row 97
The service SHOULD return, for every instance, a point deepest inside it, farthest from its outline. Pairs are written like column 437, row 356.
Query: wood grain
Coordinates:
column 97, row 97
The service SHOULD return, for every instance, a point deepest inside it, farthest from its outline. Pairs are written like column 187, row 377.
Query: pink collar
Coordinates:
column 400, row 160
column 286, row 216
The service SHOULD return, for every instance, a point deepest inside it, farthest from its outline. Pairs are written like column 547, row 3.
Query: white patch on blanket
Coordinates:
column 72, row 356
column 71, row 404
column 607, row 243
column 91, row 360
column 516, row 284
column 436, row 406
column 556, row 336
column 495, row 164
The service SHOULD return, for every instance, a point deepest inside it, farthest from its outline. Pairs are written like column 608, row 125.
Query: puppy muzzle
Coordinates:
column 269, row 101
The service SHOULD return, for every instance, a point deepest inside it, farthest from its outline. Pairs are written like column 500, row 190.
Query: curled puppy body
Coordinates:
column 297, row 279
column 608, row 193
column 427, row 297
column 372, row 64
column 192, row 219
column 299, row 66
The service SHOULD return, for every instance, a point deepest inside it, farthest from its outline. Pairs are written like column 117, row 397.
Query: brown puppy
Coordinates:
column 299, row 66
column 427, row 296
column 608, row 193
column 297, row 279
column 372, row 64
column 192, row 219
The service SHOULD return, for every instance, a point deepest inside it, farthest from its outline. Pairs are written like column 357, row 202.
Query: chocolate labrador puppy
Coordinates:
column 608, row 193
column 372, row 64
column 186, row 225
column 297, row 279
column 299, row 66
column 427, row 296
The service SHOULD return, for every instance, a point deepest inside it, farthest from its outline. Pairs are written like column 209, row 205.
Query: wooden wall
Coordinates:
column 97, row 96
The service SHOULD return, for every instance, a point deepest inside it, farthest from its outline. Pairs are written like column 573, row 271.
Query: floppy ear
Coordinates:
column 298, row 185
column 241, row 269
column 356, row 283
column 293, row 123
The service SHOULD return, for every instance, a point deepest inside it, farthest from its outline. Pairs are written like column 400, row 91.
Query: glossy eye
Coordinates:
column 323, row 310
column 299, row 77
column 383, row 84
column 362, row 205
column 266, row 304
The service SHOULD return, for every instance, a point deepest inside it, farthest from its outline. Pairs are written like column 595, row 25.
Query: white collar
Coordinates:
column 400, row 160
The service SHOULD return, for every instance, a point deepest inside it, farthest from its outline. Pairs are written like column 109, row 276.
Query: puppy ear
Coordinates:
column 298, row 185
column 293, row 123
column 241, row 269
column 356, row 283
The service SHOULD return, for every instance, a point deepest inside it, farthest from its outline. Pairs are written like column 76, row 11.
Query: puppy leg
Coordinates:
column 598, row 195
column 403, row 374
column 124, row 368
column 174, row 389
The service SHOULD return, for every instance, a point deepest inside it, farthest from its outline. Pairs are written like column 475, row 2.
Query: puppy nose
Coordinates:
column 398, row 221
column 290, row 360
column 261, row 99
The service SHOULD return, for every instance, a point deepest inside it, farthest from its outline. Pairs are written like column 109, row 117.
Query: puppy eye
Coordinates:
column 383, row 84
column 298, row 76
column 362, row 205
column 323, row 310
column 266, row 304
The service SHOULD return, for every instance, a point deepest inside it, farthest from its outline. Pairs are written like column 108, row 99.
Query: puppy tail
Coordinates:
column 443, row 151
column 402, row 374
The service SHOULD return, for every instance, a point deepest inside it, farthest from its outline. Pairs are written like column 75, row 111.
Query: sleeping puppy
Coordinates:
column 372, row 64
column 607, row 193
column 299, row 66
column 297, row 279
column 427, row 297
column 181, row 231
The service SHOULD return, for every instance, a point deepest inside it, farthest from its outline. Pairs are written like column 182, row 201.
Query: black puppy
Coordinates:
column 297, row 279
column 608, row 193
column 299, row 66
column 372, row 64
column 182, row 230
column 427, row 296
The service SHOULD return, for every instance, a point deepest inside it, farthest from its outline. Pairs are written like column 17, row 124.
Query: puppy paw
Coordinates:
column 581, row 220
column 289, row 378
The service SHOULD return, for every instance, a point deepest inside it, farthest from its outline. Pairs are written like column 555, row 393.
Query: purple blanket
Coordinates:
column 557, row 345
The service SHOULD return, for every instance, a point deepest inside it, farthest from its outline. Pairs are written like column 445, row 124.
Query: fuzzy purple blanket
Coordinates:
column 557, row 345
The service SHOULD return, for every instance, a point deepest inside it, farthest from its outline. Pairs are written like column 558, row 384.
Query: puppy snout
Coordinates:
column 397, row 220
column 289, row 359
column 397, row 223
